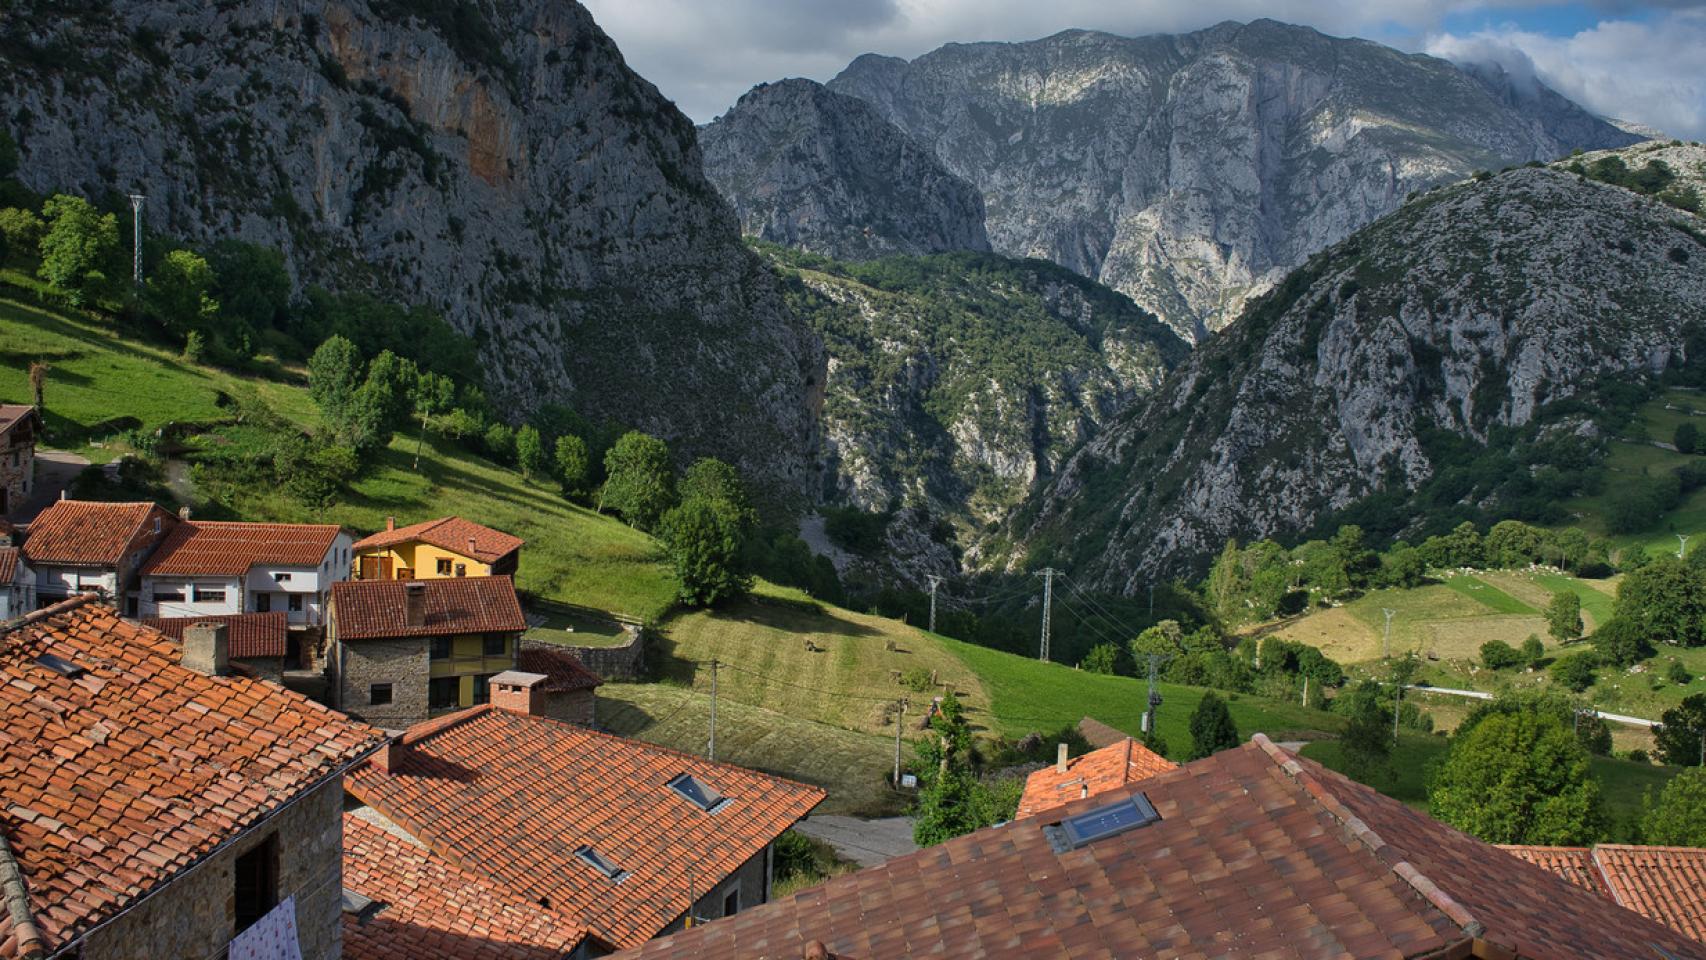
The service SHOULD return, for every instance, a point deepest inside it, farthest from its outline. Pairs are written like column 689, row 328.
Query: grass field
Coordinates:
column 1635, row 457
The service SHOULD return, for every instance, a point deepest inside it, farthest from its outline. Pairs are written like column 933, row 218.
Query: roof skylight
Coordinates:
column 60, row 665
column 1115, row 818
column 597, row 861
column 360, row 907
column 699, row 793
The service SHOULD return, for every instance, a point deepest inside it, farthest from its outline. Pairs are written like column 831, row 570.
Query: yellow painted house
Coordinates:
column 436, row 549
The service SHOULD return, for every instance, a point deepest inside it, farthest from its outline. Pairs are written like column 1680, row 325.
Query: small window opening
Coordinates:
column 379, row 694
column 1115, row 818
column 60, row 665
column 256, row 875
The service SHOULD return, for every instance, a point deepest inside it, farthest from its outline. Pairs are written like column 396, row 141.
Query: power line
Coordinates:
column 725, row 665
column 1106, row 618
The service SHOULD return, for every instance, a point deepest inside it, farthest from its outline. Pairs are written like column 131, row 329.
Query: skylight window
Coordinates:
column 699, row 793
column 360, row 907
column 1115, row 818
column 597, row 861
column 60, row 665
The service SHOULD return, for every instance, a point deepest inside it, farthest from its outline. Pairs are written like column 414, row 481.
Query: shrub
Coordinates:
column 1678, row 674
column 1212, row 729
column 1499, row 655
column 1575, row 672
column 1533, row 651
column 917, row 679
column 1102, row 658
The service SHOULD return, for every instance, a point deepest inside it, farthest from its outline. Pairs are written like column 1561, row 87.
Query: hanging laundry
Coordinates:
column 272, row 937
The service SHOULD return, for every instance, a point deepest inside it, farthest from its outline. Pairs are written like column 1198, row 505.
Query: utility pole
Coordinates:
column 1397, row 710
column 711, row 751
column 935, row 582
column 1048, row 574
column 136, row 263
column 1386, row 642
column 1681, row 544
column 1154, row 695
column 1152, row 601
column 899, row 720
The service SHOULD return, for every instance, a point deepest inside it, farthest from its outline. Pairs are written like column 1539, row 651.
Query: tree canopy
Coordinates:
column 1519, row 777
column 1212, row 729
column 1678, row 819
column 639, row 479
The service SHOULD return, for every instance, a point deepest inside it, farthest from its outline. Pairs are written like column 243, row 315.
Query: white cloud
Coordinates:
column 1650, row 71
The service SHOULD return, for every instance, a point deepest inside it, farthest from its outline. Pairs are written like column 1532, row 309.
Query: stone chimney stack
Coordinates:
column 519, row 692
column 389, row 756
column 390, row 524
column 207, row 649
column 1060, row 758
column 414, row 604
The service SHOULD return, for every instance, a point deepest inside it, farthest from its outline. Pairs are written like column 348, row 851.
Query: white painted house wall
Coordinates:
column 300, row 593
column 18, row 597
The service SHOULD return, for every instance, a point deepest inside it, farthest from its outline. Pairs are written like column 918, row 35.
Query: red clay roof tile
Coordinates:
column 1666, row 884
column 1095, row 772
column 450, row 533
column 1257, row 854
column 88, row 533
column 249, row 634
column 12, row 414
column 8, row 566
column 1574, row 864
column 204, row 548
column 563, row 670
column 434, row 910
column 512, row 796
column 376, row 609
column 119, row 778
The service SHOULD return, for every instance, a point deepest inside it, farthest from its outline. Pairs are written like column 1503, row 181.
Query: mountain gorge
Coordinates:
column 1477, row 308
column 1191, row 171
column 497, row 162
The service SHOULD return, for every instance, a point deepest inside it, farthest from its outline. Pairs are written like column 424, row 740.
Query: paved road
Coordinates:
column 868, row 843
column 1484, row 695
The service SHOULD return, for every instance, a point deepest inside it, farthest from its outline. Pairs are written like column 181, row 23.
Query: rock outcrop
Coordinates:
column 1191, row 172
column 808, row 168
column 1469, row 309
column 496, row 161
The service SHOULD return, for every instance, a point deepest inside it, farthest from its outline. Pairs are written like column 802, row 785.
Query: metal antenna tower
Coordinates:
column 1386, row 641
column 136, row 200
column 1048, row 574
column 1681, row 544
column 935, row 582
column 1154, row 694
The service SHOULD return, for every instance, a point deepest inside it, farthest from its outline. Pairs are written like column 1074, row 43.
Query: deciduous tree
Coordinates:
column 1519, row 778
column 574, row 465
column 529, row 450
column 1564, row 617
column 78, row 247
column 639, row 481
column 1681, row 733
column 1678, row 819
column 703, row 537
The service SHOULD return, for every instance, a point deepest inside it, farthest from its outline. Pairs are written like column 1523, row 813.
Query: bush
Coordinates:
column 1687, row 437
column 1533, row 651
column 1499, row 655
column 1519, row 778
column 1575, row 672
column 1102, row 658
column 918, row 680
column 1678, row 674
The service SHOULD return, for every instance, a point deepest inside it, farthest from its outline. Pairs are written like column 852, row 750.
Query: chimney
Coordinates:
column 184, row 512
column 519, row 692
column 815, row 950
column 414, row 604
column 389, row 756
column 207, row 649
column 470, row 546
column 1060, row 758
column 390, row 524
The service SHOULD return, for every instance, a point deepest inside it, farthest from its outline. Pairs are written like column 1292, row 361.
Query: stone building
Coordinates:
column 77, row 546
column 620, row 839
column 20, row 426
column 17, row 584
column 259, row 642
column 171, row 807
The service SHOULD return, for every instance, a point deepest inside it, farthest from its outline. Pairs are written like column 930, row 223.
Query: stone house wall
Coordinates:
column 192, row 918
column 624, row 663
column 404, row 664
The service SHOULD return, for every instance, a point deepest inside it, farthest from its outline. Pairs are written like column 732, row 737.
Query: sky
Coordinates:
column 1637, row 61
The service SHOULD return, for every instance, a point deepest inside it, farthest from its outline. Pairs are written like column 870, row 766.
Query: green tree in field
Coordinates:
column 1212, row 729
column 951, row 800
column 1533, row 651
column 77, row 248
column 1619, row 643
column 1519, row 778
column 529, row 450
column 1687, row 437
column 639, row 480
column 713, row 479
column 1227, row 584
column 1666, row 601
column 1164, row 639
column 574, row 466
column 499, row 442
column 1678, row 819
column 180, row 293
column 387, row 390
column 1591, row 731
column 334, row 377
column 1403, row 566
column 1575, row 672
column 1512, row 543
column 20, row 234
column 703, row 537
column 432, row 394
column 250, row 283
column 1367, row 740
column 1681, row 733
column 1102, row 658
column 1564, row 617
column 1499, row 655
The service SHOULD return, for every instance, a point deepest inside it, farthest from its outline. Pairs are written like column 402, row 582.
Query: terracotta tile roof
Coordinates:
column 563, row 670
column 11, row 414
column 451, row 533
column 435, row 910
column 1667, row 884
column 204, row 548
column 88, row 533
column 1574, row 864
column 249, row 634
column 1099, row 734
column 8, row 565
column 1095, row 772
column 374, row 609
column 513, row 796
column 115, row 780
column 1257, row 854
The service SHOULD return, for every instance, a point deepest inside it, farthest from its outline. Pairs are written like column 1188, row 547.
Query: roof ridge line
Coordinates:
column 1604, row 877
column 1366, row 835
column 36, row 616
column 16, row 896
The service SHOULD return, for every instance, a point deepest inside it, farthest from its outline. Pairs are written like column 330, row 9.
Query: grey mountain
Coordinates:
column 808, row 168
column 1191, row 171
column 1469, row 309
column 496, row 161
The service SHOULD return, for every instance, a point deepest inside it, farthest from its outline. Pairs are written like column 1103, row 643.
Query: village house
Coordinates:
column 619, row 838
column 1108, row 768
column 221, row 569
column 77, row 546
column 259, row 642
column 17, row 584
column 402, row 651
column 436, row 549
column 158, row 803
column 1667, row 884
column 20, row 426
column 1250, row 853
